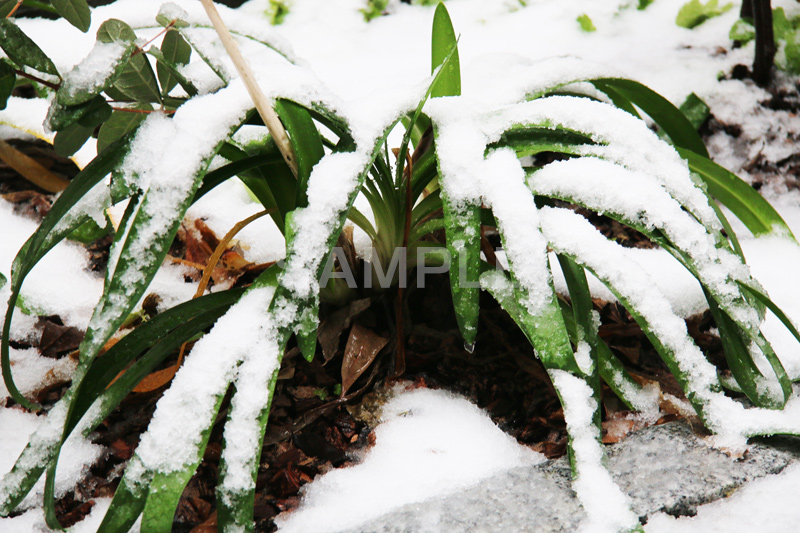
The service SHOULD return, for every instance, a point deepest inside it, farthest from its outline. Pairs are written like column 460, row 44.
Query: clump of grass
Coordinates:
column 459, row 168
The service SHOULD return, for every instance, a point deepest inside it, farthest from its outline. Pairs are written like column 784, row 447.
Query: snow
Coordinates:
column 766, row 504
column 60, row 284
column 607, row 507
column 377, row 72
column 191, row 401
column 77, row 455
column 90, row 75
column 430, row 443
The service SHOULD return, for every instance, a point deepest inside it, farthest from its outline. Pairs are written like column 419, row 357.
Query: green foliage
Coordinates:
column 277, row 10
column 643, row 4
column 22, row 50
column 411, row 204
column 695, row 12
column 695, row 110
column 586, row 23
column 787, row 38
column 75, row 11
column 374, row 9
column 8, row 80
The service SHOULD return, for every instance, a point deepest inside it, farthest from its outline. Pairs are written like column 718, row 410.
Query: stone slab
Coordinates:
column 663, row 468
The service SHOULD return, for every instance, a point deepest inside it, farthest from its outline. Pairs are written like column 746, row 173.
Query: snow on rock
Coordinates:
column 607, row 507
column 767, row 504
column 430, row 443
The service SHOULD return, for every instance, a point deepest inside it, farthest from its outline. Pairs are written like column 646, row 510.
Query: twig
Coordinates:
column 54, row 86
column 221, row 247
column 14, row 9
column 268, row 115
column 144, row 111
column 31, row 170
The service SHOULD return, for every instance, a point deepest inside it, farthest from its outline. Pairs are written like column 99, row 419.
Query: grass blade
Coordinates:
column 682, row 133
column 748, row 206
column 443, row 44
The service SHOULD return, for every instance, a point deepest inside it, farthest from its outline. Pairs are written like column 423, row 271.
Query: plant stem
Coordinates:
column 400, row 357
column 747, row 9
column 143, row 111
column 765, row 41
column 14, row 9
column 44, row 6
column 268, row 115
column 54, row 86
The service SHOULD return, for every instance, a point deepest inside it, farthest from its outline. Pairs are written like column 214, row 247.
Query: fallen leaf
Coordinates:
column 209, row 526
column 616, row 429
column 330, row 330
column 31, row 170
column 362, row 347
column 57, row 339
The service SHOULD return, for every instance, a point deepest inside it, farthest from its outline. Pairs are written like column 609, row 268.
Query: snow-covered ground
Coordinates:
column 386, row 60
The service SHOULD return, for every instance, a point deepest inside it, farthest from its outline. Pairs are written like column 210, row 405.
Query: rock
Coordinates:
column 663, row 468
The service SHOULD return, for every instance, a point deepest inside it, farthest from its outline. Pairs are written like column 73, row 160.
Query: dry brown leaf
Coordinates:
column 31, row 170
column 209, row 526
column 330, row 330
column 617, row 429
column 157, row 379
column 362, row 347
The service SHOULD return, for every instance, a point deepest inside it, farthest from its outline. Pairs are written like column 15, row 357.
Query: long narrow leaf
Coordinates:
column 682, row 133
column 748, row 206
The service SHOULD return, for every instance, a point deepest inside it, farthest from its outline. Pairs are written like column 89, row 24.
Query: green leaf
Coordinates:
column 26, row 471
column 443, row 44
column 98, row 112
column 6, row 6
column 138, row 82
column 374, row 9
column 70, row 139
column 126, row 506
column 532, row 140
column 8, row 80
column 748, row 206
column 119, row 124
column 744, row 31
column 547, row 332
column 643, row 4
column 462, row 223
column 276, row 11
column 669, row 118
column 76, row 90
column 782, row 27
column 586, row 23
column 177, row 52
column 89, row 231
column 463, row 231
column 22, row 50
column 162, row 64
column 694, row 13
column 306, row 142
column 76, row 12
column 695, row 110
column 59, row 116
column 114, row 30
